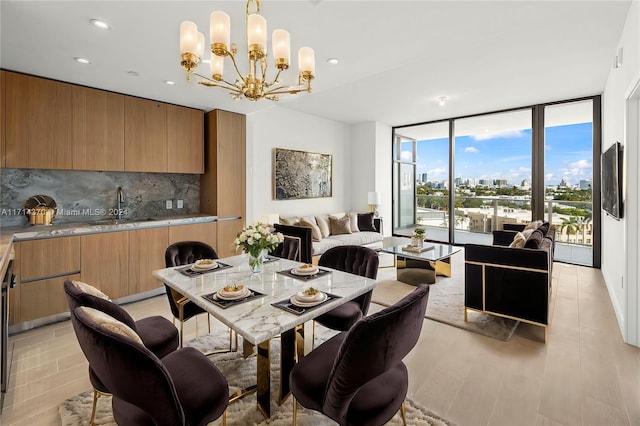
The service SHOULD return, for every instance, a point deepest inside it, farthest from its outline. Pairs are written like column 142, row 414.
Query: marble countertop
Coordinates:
column 25, row 233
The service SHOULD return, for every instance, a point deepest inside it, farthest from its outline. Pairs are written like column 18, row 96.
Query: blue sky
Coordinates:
column 507, row 155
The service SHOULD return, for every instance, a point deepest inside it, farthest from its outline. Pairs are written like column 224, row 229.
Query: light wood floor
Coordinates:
column 584, row 374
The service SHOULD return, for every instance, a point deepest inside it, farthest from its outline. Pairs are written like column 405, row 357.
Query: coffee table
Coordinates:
column 418, row 268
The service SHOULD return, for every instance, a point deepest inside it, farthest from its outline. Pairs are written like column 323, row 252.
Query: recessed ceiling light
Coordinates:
column 133, row 73
column 169, row 82
column 442, row 100
column 206, row 61
column 333, row 61
column 82, row 60
column 100, row 24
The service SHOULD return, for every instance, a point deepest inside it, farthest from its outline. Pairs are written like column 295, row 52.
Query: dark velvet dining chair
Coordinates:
column 156, row 332
column 183, row 388
column 356, row 260
column 184, row 253
column 288, row 249
column 358, row 377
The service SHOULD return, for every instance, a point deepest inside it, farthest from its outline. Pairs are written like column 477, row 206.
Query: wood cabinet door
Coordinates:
column 185, row 140
column 145, row 135
column 227, row 232
column 2, row 126
column 46, row 258
column 98, row 130
column 231, row 159
column 42, row 298
column 146, row 254
column 205, row 232
column 38, row 123
column 105, row 262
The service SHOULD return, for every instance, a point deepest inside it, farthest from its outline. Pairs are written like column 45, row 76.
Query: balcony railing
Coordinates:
column 477, row 217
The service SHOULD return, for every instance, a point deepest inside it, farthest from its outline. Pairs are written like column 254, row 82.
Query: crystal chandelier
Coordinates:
column 254, row 85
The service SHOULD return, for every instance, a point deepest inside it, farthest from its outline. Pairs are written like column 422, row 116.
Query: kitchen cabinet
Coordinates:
column 2, row 126
column 43, row 266
column 46, row 258
column 205, row 232
column 146, row 254
column 185, row 140
column 38, row 123
column 98, row 129
column 105, row 262
column 43, row 298
column 222, row 187
column 145, row 135
column 227, row 232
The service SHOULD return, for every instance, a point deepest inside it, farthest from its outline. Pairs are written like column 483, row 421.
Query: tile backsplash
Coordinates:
column 83, row 196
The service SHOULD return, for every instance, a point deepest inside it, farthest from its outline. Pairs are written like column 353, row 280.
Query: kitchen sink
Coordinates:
column 121, row 221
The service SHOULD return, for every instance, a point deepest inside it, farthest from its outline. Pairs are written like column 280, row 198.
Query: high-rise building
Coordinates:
column 585, row 184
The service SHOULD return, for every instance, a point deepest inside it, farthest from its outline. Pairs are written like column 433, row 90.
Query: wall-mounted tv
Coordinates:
column 611, row 182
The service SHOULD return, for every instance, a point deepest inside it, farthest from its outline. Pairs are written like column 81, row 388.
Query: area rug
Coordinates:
column 446, row 303
column 240, row 373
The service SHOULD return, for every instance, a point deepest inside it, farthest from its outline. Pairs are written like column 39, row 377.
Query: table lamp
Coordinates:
column 374, row 202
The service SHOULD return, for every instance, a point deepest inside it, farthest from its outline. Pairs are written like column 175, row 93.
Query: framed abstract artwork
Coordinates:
column 301, row 174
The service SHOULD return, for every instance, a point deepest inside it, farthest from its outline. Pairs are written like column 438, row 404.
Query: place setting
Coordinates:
column 304, row 300
column 232, row 295
column 203, row 266
column 305, row 272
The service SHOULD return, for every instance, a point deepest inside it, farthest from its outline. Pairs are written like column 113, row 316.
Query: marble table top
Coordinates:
column 256, row 320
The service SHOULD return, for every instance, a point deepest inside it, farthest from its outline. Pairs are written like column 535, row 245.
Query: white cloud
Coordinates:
column 406, row 156
column 505, row 134
column 437, row 173
column 549, row 176
column 470, row 149
column 581, row 164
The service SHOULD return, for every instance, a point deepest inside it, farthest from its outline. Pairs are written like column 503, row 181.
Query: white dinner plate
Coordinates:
column 296, row 302
column 305, row 298
column 221, row 294
column 303, row 273
column 198, row 267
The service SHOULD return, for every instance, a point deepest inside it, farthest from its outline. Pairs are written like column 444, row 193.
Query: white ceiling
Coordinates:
column 396, row 57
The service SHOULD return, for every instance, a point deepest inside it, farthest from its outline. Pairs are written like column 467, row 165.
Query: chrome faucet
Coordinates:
column 120, row 200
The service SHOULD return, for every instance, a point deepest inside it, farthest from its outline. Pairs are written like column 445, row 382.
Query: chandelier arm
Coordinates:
column 235, row 65
column 217, row 83
column 283, row 90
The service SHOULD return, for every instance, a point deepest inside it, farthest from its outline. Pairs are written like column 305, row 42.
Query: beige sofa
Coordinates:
column 322, row 232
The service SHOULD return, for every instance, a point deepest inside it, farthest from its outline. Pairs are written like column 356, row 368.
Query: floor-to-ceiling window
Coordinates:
column 468, row 176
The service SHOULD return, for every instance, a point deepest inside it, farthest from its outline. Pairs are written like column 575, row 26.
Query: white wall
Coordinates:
column 371, row 171
column 623, row 232
column 279, row 127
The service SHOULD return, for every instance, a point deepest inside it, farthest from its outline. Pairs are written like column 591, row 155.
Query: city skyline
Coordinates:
column 507, row 155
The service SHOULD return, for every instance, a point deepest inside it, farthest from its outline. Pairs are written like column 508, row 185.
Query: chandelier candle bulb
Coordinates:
column 281, row 42
column 256, row 35
column 188, row 37
column 217, row 67
column 219, row 31
column 306, row 61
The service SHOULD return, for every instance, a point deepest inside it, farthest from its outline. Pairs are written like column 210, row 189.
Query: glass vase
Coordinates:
column 417, row 241
column 256, row 262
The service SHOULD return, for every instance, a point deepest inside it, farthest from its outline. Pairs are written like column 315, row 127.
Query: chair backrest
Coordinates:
column 288, row 249
column 373, row 346
column 130, row 371
column 185, row 252
column 76, row 298
column 357, row 260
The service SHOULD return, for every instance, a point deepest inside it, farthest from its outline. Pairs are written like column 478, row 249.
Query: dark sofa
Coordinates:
column 511, row 282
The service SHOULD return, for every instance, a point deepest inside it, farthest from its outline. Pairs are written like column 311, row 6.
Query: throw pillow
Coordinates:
column 544, row 228
column 365, row 222
column 289, row 220
column 323, row 224
column 315, row 231
column 89, row 289
column 340, row 226
column 534, row 240
column 353, row 217
column 533, row 225
column 111, row 323
column 518, row 241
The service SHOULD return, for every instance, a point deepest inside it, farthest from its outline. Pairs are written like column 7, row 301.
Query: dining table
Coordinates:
column 268, row 309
